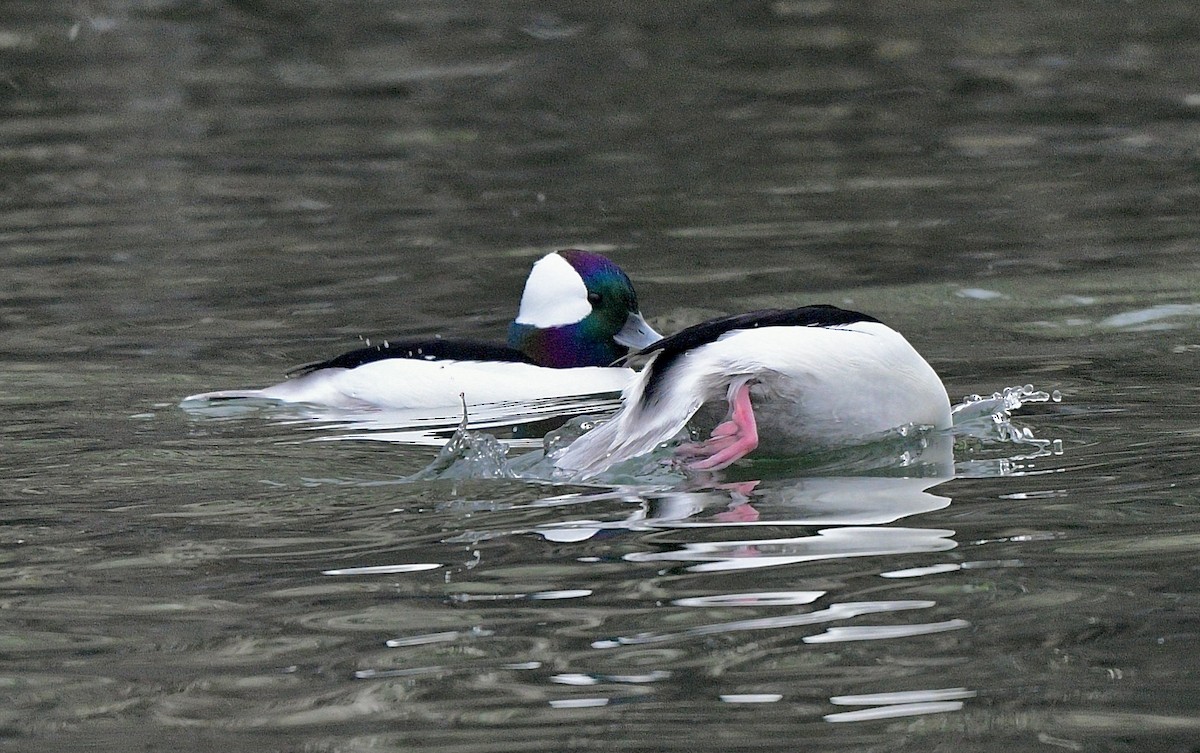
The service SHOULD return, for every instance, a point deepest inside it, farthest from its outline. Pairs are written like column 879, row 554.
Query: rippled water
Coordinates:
column 200, row 195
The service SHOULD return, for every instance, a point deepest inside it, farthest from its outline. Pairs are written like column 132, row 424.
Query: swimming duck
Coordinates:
column 578, row 314
column 817, row 376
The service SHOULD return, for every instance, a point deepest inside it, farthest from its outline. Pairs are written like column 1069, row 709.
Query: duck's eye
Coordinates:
column 594, row 299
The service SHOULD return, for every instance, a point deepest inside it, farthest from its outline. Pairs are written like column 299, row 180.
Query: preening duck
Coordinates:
column 817, row 376
column 578, row 314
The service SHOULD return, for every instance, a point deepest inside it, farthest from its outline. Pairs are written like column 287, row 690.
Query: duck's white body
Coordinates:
column 400, row 383
column 811, row 385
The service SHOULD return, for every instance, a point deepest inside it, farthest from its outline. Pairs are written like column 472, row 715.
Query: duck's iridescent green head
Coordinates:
column 578, row 309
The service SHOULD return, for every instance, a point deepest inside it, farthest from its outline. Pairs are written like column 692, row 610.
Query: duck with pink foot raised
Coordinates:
column 790, row 380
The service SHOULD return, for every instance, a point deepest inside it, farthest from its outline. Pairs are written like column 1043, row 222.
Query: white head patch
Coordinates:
column 554, row 295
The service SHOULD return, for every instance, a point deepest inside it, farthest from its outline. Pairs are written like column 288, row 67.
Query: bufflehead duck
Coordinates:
column 813, row 376
column 578, row 315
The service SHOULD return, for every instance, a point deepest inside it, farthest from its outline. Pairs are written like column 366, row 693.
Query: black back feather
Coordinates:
column 669, row 349
column 424, row 350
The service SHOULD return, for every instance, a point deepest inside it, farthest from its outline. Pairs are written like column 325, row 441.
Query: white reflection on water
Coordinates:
column 415, row 567
column 949, row 567
column 904, row 696
column 751, row 697
column 897, row 710
column 831, row 613
column 883, row 632
column 903, row 703
column 776, row 504
column 578, row 703
column 575, row 678
column 772, row 599
column 855, row 500
column 518, row 424
column 1154, row 318
column 424, row 640
column 829, row 543
column 862, row 505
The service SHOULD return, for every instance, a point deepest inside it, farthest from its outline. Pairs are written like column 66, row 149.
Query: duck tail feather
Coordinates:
column 641, row 425
column 221, row 395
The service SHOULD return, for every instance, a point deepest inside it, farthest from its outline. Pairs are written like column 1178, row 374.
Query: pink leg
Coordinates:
column 730, row 440
column 740, row 509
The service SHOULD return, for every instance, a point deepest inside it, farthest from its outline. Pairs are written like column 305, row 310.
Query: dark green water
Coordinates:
column 199, row 195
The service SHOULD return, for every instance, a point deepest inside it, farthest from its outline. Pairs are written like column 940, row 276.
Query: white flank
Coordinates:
column 825, row 385
column 413, row 383
column 554, row 296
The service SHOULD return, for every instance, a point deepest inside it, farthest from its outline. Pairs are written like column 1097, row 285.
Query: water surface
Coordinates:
column 202, row 195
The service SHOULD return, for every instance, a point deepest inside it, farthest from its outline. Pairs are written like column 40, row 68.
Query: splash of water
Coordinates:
column 478, row 455
column 467, row 455
column 982, row 421
column 1004, row 402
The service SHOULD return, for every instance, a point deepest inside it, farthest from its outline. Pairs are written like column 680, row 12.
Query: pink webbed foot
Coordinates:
column 731, row 440
column 723, row 435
